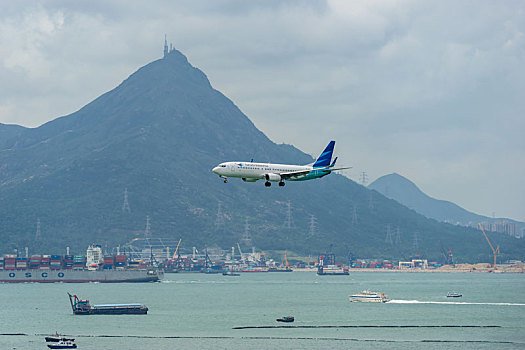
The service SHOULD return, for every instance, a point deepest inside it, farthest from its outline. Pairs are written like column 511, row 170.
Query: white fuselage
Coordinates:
column 250, row 171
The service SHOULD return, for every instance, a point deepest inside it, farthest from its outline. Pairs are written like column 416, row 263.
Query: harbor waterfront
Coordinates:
column 212, row 311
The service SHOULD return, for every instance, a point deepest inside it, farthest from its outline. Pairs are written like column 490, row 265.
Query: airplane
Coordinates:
column 251, row 172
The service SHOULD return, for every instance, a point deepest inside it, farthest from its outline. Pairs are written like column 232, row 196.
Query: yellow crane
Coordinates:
column 495, row 251
column 286, row 259
column 176, row 250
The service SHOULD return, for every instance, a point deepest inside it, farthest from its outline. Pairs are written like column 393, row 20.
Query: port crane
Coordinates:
column 447, row 255
column 495, row 251
column 176, row 250
column 243, row 257
column 286, row 259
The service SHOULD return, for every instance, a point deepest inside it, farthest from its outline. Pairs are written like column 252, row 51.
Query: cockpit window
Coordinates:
column 223, row 166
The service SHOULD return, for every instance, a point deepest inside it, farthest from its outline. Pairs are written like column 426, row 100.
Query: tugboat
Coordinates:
column 229, row 272
column 454, row 295
column 63, row 344
column 286, row 319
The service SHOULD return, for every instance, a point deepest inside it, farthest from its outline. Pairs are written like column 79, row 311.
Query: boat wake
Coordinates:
column 450, row 303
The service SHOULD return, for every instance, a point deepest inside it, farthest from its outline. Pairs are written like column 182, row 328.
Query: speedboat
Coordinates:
column 367, row 296
column 454, row 295
column 63, row 344
column 286, row 319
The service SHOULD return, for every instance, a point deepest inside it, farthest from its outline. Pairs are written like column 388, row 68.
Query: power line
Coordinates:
column 370, row 201
column 363, row 178
column 147, row 230
column 38, row 234
column 313, row 225
column 246, row 238
column 398, row 236
column 415, row 243
column 388, row 238
column 125, row 205
column 288, row 222
column 219, row 220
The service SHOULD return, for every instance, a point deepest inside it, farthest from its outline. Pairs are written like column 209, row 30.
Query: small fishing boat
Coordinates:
column 286, row 319
column 63, row 344
column 55, row 338
column 454, row 295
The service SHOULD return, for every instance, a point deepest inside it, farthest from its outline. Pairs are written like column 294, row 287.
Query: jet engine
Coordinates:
column 272, row 177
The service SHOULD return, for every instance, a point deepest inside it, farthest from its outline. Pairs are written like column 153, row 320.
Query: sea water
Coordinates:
column 202, row 311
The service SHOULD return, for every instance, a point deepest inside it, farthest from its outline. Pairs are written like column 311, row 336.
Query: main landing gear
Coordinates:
column 268, row 183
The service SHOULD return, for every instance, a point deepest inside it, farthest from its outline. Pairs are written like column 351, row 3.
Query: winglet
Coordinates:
column 333, row 163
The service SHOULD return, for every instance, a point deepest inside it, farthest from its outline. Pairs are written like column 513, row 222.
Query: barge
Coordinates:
column 83, row 307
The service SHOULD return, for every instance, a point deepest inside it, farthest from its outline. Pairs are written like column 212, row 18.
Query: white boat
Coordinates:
column 367, row 296
column 63, row 344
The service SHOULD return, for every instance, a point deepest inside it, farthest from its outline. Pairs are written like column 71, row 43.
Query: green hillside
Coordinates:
column 158, row 134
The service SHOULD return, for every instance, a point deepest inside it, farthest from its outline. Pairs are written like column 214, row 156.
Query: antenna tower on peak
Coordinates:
column 165, row 46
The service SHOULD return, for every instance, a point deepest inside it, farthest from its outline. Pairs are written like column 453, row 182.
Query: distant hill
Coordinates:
column 9, row 134
column 407, row 193
column 158, row 134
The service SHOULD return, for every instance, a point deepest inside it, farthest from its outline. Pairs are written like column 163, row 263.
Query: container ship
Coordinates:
column 94, row 267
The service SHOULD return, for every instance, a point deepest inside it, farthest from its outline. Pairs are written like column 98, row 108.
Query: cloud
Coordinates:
column 430, row 90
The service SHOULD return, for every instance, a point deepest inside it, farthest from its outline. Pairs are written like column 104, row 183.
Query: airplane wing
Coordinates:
column 295, row 174
column 335, row 169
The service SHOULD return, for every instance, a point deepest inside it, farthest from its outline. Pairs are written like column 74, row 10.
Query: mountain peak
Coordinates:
column 173, row 71
column 395, row 185
column 176, row 55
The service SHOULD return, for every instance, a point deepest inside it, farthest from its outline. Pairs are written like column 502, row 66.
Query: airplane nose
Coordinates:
column 215, row 170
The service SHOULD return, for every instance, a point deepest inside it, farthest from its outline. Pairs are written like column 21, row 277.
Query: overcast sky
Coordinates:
column 432, row 90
